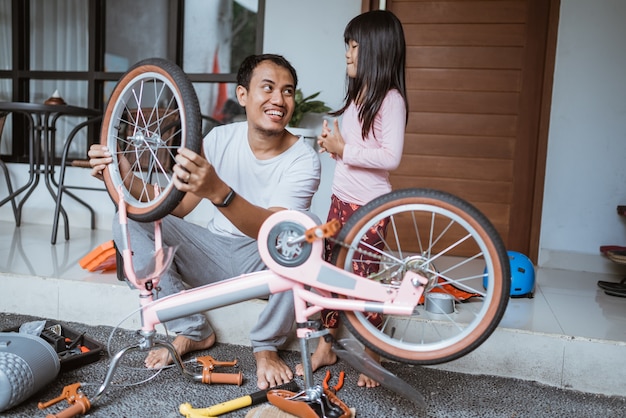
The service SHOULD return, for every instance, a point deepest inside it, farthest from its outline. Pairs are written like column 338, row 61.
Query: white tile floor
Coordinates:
column 27, row 251
column 568, row 305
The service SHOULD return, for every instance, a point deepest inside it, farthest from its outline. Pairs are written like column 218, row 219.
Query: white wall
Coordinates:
column 310, row 35
column 586, row 169
column 586, row 165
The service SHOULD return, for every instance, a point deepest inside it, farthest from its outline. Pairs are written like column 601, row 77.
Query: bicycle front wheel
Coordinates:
column 152, row 112
column 448, row 241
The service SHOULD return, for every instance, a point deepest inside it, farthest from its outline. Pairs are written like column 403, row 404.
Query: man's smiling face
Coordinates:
column 270, row 100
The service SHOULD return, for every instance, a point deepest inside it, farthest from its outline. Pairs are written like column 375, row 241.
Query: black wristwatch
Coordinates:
column 227, row 200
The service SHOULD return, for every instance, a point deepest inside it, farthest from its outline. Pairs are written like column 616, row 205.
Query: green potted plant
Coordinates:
column 306, row 105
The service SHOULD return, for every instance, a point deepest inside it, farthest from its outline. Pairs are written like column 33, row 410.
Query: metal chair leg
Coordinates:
column 63, row 189
column 11, row 196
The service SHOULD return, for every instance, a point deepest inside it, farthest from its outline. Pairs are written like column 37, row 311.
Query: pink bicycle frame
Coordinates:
column 322, row 277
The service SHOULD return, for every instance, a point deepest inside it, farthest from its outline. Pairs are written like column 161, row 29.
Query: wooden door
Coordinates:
column 479, row 85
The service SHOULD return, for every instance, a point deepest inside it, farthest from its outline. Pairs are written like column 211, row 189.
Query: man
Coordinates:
column 248, row 170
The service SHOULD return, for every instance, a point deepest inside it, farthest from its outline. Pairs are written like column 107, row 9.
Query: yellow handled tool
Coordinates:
column 216, row 410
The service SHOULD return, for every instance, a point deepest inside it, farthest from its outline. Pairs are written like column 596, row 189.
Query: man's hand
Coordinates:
column 196, row 175
column 99, row 158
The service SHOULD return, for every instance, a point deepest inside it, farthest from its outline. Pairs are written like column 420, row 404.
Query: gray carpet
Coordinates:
column 447, row 394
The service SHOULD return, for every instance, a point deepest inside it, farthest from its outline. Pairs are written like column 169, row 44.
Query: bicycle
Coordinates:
column 436, row 244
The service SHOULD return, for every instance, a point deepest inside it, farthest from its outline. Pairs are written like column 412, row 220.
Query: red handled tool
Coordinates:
column 339, row 384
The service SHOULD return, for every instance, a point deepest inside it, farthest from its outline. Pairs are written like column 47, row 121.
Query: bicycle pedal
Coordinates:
column 333, row 406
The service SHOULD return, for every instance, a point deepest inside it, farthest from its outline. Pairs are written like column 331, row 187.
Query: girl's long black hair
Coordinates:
column 380, row 64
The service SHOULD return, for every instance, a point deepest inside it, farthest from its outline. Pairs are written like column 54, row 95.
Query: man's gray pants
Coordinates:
column 202, row 258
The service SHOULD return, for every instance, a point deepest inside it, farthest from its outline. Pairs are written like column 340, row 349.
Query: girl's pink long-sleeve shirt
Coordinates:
column 363, row 172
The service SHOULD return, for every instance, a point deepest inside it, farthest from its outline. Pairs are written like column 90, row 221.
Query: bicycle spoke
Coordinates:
column 440, row 244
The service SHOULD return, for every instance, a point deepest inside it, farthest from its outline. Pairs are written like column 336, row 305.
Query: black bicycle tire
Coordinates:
column 492, row 239
column 192, row 139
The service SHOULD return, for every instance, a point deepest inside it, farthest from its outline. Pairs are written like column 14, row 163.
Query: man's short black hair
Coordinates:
column 250, row 63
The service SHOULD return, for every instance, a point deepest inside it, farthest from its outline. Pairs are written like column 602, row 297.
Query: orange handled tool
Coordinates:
column 210, row 377
column 79, row 408
column 76, row 398
column 339, row 385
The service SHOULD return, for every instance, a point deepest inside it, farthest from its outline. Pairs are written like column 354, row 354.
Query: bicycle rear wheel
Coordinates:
column 454, row 246
column 152, row 112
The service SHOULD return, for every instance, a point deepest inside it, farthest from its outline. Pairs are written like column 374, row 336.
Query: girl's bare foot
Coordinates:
column 271, row 370
column 160, row 357
column 365, row 381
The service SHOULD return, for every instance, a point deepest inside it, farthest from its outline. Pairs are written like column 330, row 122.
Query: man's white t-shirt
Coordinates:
column 288, row 180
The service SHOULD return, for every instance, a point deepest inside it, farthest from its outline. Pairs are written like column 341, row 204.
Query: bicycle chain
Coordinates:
column 380, row 257
column 375, row 256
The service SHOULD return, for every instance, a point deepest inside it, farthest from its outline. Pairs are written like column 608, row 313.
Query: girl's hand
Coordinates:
column 321, row 137
column 331, row 140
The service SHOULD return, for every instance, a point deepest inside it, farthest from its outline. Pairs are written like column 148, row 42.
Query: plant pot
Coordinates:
column 309, row 135
column 305, row 132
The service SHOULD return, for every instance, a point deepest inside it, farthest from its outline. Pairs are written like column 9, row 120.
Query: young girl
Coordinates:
column 370, row 141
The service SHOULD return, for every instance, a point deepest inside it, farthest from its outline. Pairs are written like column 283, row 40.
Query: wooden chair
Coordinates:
column 208, row 123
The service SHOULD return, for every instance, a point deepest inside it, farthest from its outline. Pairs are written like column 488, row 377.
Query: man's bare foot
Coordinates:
column 160, row 357
column 271, row 370
column 365, row 381
column 322, row 356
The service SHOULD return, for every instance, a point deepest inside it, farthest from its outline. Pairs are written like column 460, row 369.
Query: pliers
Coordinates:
column 339, row 384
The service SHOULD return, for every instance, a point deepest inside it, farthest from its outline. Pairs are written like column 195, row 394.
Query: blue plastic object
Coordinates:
column 522, row 275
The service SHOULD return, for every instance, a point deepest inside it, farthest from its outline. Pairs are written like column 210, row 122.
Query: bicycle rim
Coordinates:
column 454, row 246
column 153, row 111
